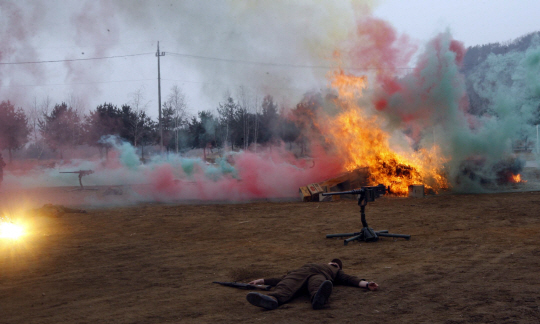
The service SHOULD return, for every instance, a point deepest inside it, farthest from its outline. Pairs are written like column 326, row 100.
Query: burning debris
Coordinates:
column 351, row 181
column 358, row 136
column 503, row 172
column 508, row 171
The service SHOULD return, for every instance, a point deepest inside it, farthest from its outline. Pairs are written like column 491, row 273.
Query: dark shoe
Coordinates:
column 262, row 300
column 322, row 295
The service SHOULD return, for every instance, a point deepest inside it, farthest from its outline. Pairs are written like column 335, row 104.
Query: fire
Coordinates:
column 517, row 178
column 361, row 141
column 10, row 231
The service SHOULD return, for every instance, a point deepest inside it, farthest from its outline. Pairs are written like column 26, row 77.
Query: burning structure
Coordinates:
column 382, row 119
column 413, row 126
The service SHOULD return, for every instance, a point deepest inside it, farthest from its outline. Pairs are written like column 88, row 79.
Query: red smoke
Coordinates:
column 274, row 174
column 413, row 98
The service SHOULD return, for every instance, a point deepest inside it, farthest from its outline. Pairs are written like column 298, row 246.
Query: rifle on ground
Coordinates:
column 243, row 285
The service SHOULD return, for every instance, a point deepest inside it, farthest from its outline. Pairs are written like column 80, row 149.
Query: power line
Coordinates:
column 95, row 45
column 210, row 58
column 279, row 64
column 133, row 80
column 227, row 84
column 72, row 60
column 68, row 84
column 245, row 61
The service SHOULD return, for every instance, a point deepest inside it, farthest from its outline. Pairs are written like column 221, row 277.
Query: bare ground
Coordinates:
column 471, row 259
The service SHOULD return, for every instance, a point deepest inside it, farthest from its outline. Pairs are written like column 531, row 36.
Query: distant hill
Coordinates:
column 504, row 74
column 477, row 54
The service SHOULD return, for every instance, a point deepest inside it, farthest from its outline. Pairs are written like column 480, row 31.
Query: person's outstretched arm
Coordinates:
column 267, row 281
column 344, row 279
column 368, row 285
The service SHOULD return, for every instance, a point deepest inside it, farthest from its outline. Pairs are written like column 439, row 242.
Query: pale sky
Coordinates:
column 473, row 22
column 279, row 47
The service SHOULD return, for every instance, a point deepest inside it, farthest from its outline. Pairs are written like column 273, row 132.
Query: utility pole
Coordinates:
column 158, row 54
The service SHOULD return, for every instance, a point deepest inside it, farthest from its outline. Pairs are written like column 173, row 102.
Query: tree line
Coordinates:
column 495, row 67
column 237, row 124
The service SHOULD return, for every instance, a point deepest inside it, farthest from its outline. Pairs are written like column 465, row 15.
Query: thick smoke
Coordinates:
column 293, row 40
column 508, row 85
column 17, row 27
column 281, row 48
column 52, row 31
column 428, row 103
column 286, row 48
column 235, row 176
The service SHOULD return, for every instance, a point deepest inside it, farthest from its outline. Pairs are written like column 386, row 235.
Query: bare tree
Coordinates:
column 34, row 115
column 61, row 128
column 76, row 103
column 226, row 117
column 245, row 103
column 178, row 104
column 256, row 122
column 138, row 105
column 45, row 105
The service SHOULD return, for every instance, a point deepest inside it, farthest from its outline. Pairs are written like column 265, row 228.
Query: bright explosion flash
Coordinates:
column 10, row 231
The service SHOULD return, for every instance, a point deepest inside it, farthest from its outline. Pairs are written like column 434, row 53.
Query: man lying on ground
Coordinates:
column 317, row 278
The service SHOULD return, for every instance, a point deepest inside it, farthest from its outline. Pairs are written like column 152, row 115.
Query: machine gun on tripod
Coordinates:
column 81, row 173
column 367, row 234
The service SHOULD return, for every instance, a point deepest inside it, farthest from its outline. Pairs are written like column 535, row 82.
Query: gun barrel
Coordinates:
column 243, row 285
column 375, row 190
column 352, row 192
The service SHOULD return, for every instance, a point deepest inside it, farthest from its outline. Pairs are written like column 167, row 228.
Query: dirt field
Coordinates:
column 471, row 259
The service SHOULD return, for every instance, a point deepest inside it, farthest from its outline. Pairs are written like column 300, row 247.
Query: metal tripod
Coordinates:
column 366, row 234
column 81, row 173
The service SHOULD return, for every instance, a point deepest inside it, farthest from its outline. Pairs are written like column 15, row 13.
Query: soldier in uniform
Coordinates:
column 317, row 278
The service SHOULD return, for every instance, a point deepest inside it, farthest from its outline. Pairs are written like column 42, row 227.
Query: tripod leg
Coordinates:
column 357, row 237
column 405, row 236
column 341, row 235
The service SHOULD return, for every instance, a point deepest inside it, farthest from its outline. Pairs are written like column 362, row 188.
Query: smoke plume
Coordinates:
column 293, row 51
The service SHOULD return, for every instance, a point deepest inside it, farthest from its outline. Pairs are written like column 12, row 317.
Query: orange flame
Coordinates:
column 517, row 178
column 361, row 141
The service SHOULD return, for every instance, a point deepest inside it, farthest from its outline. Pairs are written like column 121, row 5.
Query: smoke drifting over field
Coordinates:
column 419, row 104
column 235, row 176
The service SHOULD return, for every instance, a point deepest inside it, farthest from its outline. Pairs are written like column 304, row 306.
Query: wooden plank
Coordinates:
column 315, row 189
column 305, row 195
